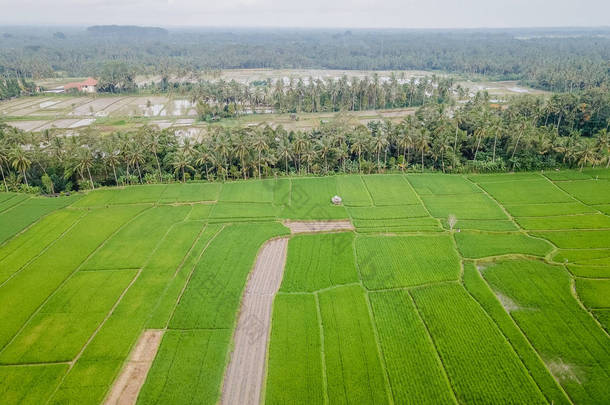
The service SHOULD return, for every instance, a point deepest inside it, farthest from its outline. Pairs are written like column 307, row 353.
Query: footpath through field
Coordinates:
column 244, row 376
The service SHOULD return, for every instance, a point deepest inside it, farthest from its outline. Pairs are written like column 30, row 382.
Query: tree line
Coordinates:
column 475, row 137
column 563, row 60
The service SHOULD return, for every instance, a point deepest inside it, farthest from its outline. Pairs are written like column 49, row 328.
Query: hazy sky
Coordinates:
column 310, row 13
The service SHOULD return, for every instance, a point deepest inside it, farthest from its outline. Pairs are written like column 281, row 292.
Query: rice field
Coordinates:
column 449, row 289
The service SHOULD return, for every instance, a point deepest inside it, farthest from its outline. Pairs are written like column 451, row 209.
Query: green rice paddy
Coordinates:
column 479, row 289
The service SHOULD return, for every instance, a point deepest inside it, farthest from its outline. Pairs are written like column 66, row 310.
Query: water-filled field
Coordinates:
column 418, row 288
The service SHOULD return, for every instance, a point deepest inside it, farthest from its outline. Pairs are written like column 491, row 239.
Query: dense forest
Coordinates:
column 475, row 137
column 563, row 60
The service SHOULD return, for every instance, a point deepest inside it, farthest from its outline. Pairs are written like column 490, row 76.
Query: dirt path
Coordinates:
column 127, row 387
column 318, row 226
column 245, row 373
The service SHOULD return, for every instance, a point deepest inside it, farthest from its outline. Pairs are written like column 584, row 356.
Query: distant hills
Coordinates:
column 126, row 30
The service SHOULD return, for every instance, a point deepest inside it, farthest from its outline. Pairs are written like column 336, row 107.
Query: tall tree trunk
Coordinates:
column 25, row 177
column 158, row 166
column 139, row 172
column 493, row 159
column 116, row 181
column 90, row 179
column 477, row 149
column 3, row 179
column 422, row 160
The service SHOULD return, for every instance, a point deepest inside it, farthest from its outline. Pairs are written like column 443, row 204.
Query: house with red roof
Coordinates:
column 87, row 86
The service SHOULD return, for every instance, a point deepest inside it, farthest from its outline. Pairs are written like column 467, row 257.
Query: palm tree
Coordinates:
column 4, row 156
column 153, row 143
column 181, row 162
column 359, row 144
column 284, row 150
column 379, row 143
column 423, row 145
column 602, row 145
column 241, row 149
column 20, row 162
column 135, row 156
column 586, row 154
column 260, row 144
column 110, row 155
column 325, row 148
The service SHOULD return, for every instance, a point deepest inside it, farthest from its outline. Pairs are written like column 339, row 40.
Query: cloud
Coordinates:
column 311, row 13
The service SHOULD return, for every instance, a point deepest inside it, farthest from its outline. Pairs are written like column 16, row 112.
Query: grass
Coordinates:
column 93, row 373
column 394, row 226
column 22, row 294
column 478, row 288
column 594, row 221
column 190, row 192
column 476, row 245
column 389, row 313
column 390, row 190
column 295, row 373
column 254, row 191
column 353, row 191
column 464, row 206
column 67, row 320
column 400, row 261
column 573, row 347
column 549, row 209
column 588, row 191
column 590, row 271
column 425, row 184
column 353, row 366
column 584, row 257
column 316, row 262
column 310, row 198
column 213, row 294
column 388, row 212
column 482, row 224
column 577, row 239
column 29, row 385
column 137, row 240
column 594, row 293
column 20, row 216
column 471, row 345
column 537, row 191
column 19, row 250
column 194, row 356
column 415, row 371
column 228, row 212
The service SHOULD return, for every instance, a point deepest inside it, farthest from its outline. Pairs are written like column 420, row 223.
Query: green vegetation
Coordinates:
column 213, row 294
column 295, row 364
column 566, row 337
column 401, row 310
column 182, row 356
column 588, row 191
column 594, row 293
column 316, row 262
column 464, row 206
column 415, row 370
column 535, row 191
column 471, row 345
column 498, row 308
column 353, row 368
column 383, row 263
column 595, row 221
column 475, row 245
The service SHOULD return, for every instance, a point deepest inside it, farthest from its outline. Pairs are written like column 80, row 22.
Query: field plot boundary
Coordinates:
column 127, row 386
column 318, row 226
column 245, row 373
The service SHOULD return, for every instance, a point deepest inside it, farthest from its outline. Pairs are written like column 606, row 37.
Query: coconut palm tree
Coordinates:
column 423, row 144
column 359, row 144
column 602, row 145
column 20, row 161
column 153, row 143
column 586, row 154
column 181, row 162
column 260, row 144
column 4, row 156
